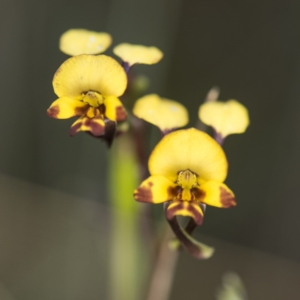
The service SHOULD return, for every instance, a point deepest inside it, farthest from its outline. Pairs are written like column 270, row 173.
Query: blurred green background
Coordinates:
column 53, row 187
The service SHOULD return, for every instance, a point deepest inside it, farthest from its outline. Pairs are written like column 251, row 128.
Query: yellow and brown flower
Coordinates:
column 88, row 86
column 187, row 168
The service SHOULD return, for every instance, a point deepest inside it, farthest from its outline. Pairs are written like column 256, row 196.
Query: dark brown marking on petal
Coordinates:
column 197, row 194
column 121, row 113
column 174, row 192
column 79, row 111
column 226, row 198
column 75, row 128
column 102, row 109
column 173, row 211
column 198, row 217
column 95, row 128
column 53, row 111
column 144, row 194
column 96, row 112
column 181, row 205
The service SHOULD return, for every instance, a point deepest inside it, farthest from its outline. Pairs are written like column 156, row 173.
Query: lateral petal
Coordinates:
column 65, row 108
column 114, row 109
column 156, row 189
column 217, row 194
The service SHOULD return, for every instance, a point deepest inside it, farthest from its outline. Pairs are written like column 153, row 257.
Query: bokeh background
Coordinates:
column 53, row 188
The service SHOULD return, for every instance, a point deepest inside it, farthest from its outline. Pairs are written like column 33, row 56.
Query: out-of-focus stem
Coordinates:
column 124, row 262
column 147, row 222
column 163, row 270
column 125, row 280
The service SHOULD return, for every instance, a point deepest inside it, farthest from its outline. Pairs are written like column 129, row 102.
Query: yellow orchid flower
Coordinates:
column 81, row 41
column 88, row 86
column 138, row 54
column 187, row 168
column 226, row 118
column 164, row 113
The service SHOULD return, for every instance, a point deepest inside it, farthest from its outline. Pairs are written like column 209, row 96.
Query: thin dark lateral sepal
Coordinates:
column 174, row 243
column 109, row 134
column 110, row 131
column 189, row 228
column 195, row 248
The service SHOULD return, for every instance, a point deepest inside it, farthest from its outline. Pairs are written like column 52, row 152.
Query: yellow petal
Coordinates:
column 155, row 189
column 188, row 149
column 83, row 73
column 163, row 113
column 217, row 194
column 95, row 126
column 138, row 54
column 81, row 41
column 225, row 117
column 187, row 209
column 64, row 108
column 114, row 109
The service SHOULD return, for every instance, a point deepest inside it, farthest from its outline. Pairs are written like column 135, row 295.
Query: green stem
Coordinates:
column 124, row 266
column 125, row 246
